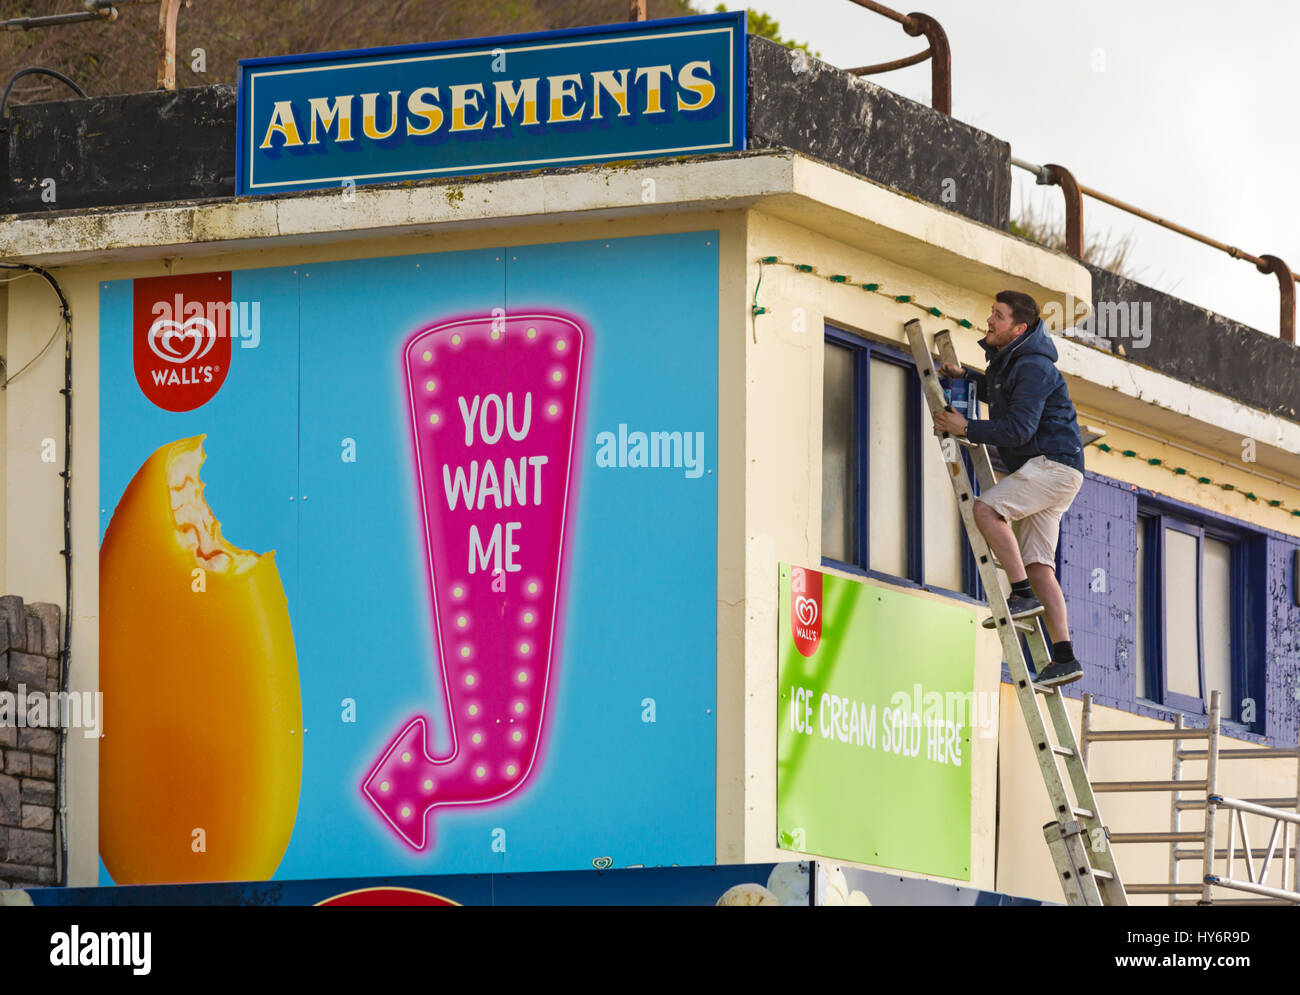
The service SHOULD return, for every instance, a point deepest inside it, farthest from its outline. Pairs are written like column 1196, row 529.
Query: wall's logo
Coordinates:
column 167, row 337
column 181, row 355
column 806, row 609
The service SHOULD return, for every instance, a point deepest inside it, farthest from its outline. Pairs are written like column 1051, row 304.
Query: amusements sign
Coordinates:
column 874, row 713
column 557, row 98
column 385, row 581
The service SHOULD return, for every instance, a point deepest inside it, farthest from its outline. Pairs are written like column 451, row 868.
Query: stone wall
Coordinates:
column 29, row 662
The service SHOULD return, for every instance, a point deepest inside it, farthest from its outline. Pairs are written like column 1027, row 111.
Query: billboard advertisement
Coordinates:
column 408, row 565
column 556, row 98
column 874, row 715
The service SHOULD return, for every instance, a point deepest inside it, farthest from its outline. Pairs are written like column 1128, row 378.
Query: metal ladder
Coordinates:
column 1078, row 841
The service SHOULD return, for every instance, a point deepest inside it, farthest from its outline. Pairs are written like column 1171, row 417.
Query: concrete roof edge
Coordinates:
column 733, row 180
column 977, row 256
column 781, row 180
column 1218, row 422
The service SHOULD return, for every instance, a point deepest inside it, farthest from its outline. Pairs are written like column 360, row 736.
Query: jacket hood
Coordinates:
column 1034, row 340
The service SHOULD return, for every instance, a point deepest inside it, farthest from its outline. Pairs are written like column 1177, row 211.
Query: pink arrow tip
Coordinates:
column 403, row 783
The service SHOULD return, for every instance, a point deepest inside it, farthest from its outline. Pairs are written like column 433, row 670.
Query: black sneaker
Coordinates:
column 1020, row 607
column 1063, row 672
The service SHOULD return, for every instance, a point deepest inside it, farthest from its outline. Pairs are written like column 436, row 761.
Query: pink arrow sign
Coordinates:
column 495, row 406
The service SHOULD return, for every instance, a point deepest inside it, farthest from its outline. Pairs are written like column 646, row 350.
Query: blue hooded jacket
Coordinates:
column 1030, row 411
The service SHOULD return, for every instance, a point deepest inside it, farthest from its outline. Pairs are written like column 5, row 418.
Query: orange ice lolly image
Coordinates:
column 201, row 761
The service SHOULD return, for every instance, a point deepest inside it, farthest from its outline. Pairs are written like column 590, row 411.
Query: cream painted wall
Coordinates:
column 4, row 421
column 31, row 528
column 783, row 507
column 782, row 514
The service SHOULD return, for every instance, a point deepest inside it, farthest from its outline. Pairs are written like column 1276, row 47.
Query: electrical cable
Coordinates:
column 66, row 648
column 28, row 71
column 4, row 384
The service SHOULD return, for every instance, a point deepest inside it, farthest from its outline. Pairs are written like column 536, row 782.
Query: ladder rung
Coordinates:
column 1163, row 889
column 1148, row 785
column 1267, row 802
column 1122, row 735
column 1263, row 753
column 1258, row 852
column 1018, row 623
column 1164, row 836
column 1062, row 751
column 1240, row 805
column 1249, row 886
column 1086, row 813
column 1098, row 873
column 1235, row 901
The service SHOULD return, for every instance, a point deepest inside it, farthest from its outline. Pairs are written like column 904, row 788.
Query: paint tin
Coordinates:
column 961, row 395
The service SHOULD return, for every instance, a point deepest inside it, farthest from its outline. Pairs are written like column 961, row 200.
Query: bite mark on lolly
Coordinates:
column 494, row 406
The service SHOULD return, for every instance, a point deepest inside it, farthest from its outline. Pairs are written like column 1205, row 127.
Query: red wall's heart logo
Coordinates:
column 806, row 609
column 164, row 332
column 181, row 338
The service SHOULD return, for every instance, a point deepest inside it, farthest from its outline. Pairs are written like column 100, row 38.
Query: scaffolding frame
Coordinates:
column 1212, row 801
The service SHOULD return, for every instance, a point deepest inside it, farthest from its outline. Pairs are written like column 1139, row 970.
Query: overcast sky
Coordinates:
column 1186, row 110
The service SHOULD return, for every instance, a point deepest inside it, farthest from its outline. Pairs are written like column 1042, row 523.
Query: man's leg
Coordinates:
column 1001, row 539
column 1042, row 578
column 1039, row 535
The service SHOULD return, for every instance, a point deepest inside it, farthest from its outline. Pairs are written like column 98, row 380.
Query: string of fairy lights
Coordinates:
column 936, row 312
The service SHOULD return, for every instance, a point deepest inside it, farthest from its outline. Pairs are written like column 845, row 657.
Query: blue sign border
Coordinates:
column 740, row 73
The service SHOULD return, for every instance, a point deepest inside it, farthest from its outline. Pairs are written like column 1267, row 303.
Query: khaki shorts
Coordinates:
column 1033, row 499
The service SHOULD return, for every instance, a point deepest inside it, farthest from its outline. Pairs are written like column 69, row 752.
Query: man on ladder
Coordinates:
column 1035, row 428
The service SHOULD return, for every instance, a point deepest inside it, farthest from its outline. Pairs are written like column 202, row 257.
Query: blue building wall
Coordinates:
column 1100, row 530
column 1282, row 643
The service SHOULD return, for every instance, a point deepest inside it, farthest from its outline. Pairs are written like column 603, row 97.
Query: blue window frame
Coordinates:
column 847, row 468
column 1201, row 610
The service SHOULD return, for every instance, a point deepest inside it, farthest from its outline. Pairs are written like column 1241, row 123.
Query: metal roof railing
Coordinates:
column 938, row 53
column 1051, row 174
column 106, row 10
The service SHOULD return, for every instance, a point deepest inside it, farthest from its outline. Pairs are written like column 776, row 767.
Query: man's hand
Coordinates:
column 950, row 422
column 950, row 372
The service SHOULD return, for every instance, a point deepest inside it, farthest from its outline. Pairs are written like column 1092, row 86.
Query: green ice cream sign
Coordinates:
column 875, row 717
